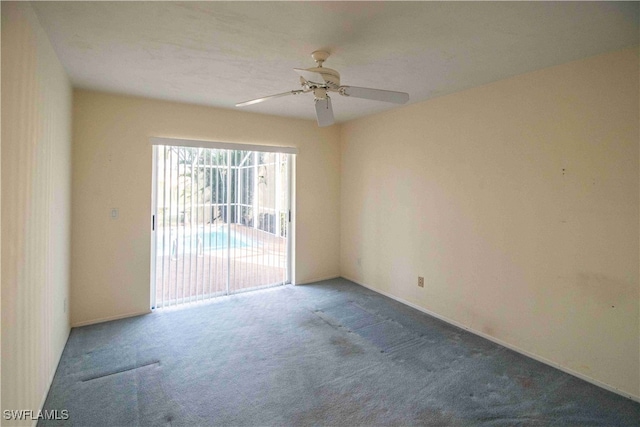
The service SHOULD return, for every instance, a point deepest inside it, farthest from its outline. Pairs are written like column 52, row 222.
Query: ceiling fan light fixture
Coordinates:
column 320, row 93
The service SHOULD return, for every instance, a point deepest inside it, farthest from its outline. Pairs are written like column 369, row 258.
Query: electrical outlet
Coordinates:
column 421, row 282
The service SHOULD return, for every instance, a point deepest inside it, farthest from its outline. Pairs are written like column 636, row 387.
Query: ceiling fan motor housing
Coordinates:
column 331, row 77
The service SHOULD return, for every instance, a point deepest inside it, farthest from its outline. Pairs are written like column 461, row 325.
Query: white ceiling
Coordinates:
column 221, row 53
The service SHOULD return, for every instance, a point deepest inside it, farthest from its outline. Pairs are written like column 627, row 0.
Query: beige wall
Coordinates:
column 36, row 188
column 112, row 169
column 518, row 203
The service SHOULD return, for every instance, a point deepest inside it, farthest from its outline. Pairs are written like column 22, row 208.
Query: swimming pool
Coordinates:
column 181, row 241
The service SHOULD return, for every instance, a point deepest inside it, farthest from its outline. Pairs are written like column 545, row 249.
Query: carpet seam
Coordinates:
column 120, row 371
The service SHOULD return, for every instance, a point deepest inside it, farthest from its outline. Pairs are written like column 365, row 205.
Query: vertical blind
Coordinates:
column 221, row 222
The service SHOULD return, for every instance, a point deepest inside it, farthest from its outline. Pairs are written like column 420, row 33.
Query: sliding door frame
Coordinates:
column 290, row 232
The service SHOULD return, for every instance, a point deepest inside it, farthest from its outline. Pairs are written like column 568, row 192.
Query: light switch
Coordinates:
column 114, row 213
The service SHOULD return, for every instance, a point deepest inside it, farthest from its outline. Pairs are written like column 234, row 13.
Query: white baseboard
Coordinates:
column 320, row 279
column 51, row 376
column 503, row 343
column 106, row 319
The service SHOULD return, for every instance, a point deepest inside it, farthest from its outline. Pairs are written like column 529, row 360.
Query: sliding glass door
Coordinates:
column 220, row 223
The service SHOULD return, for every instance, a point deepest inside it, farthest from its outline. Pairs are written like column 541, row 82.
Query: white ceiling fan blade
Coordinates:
column 310, row 76
column 266, row 98
column 375, row 94
column 324, row 112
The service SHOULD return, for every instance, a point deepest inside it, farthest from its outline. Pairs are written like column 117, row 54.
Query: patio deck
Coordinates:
column 258, row 260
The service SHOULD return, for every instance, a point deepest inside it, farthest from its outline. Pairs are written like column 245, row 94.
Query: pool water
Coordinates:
column 215, row 239
column 218, row 240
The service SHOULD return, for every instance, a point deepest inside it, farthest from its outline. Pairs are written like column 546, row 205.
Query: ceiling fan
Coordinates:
column 321, row 81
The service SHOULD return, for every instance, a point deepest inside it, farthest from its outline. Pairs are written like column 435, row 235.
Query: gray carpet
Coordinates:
column 332, row 353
